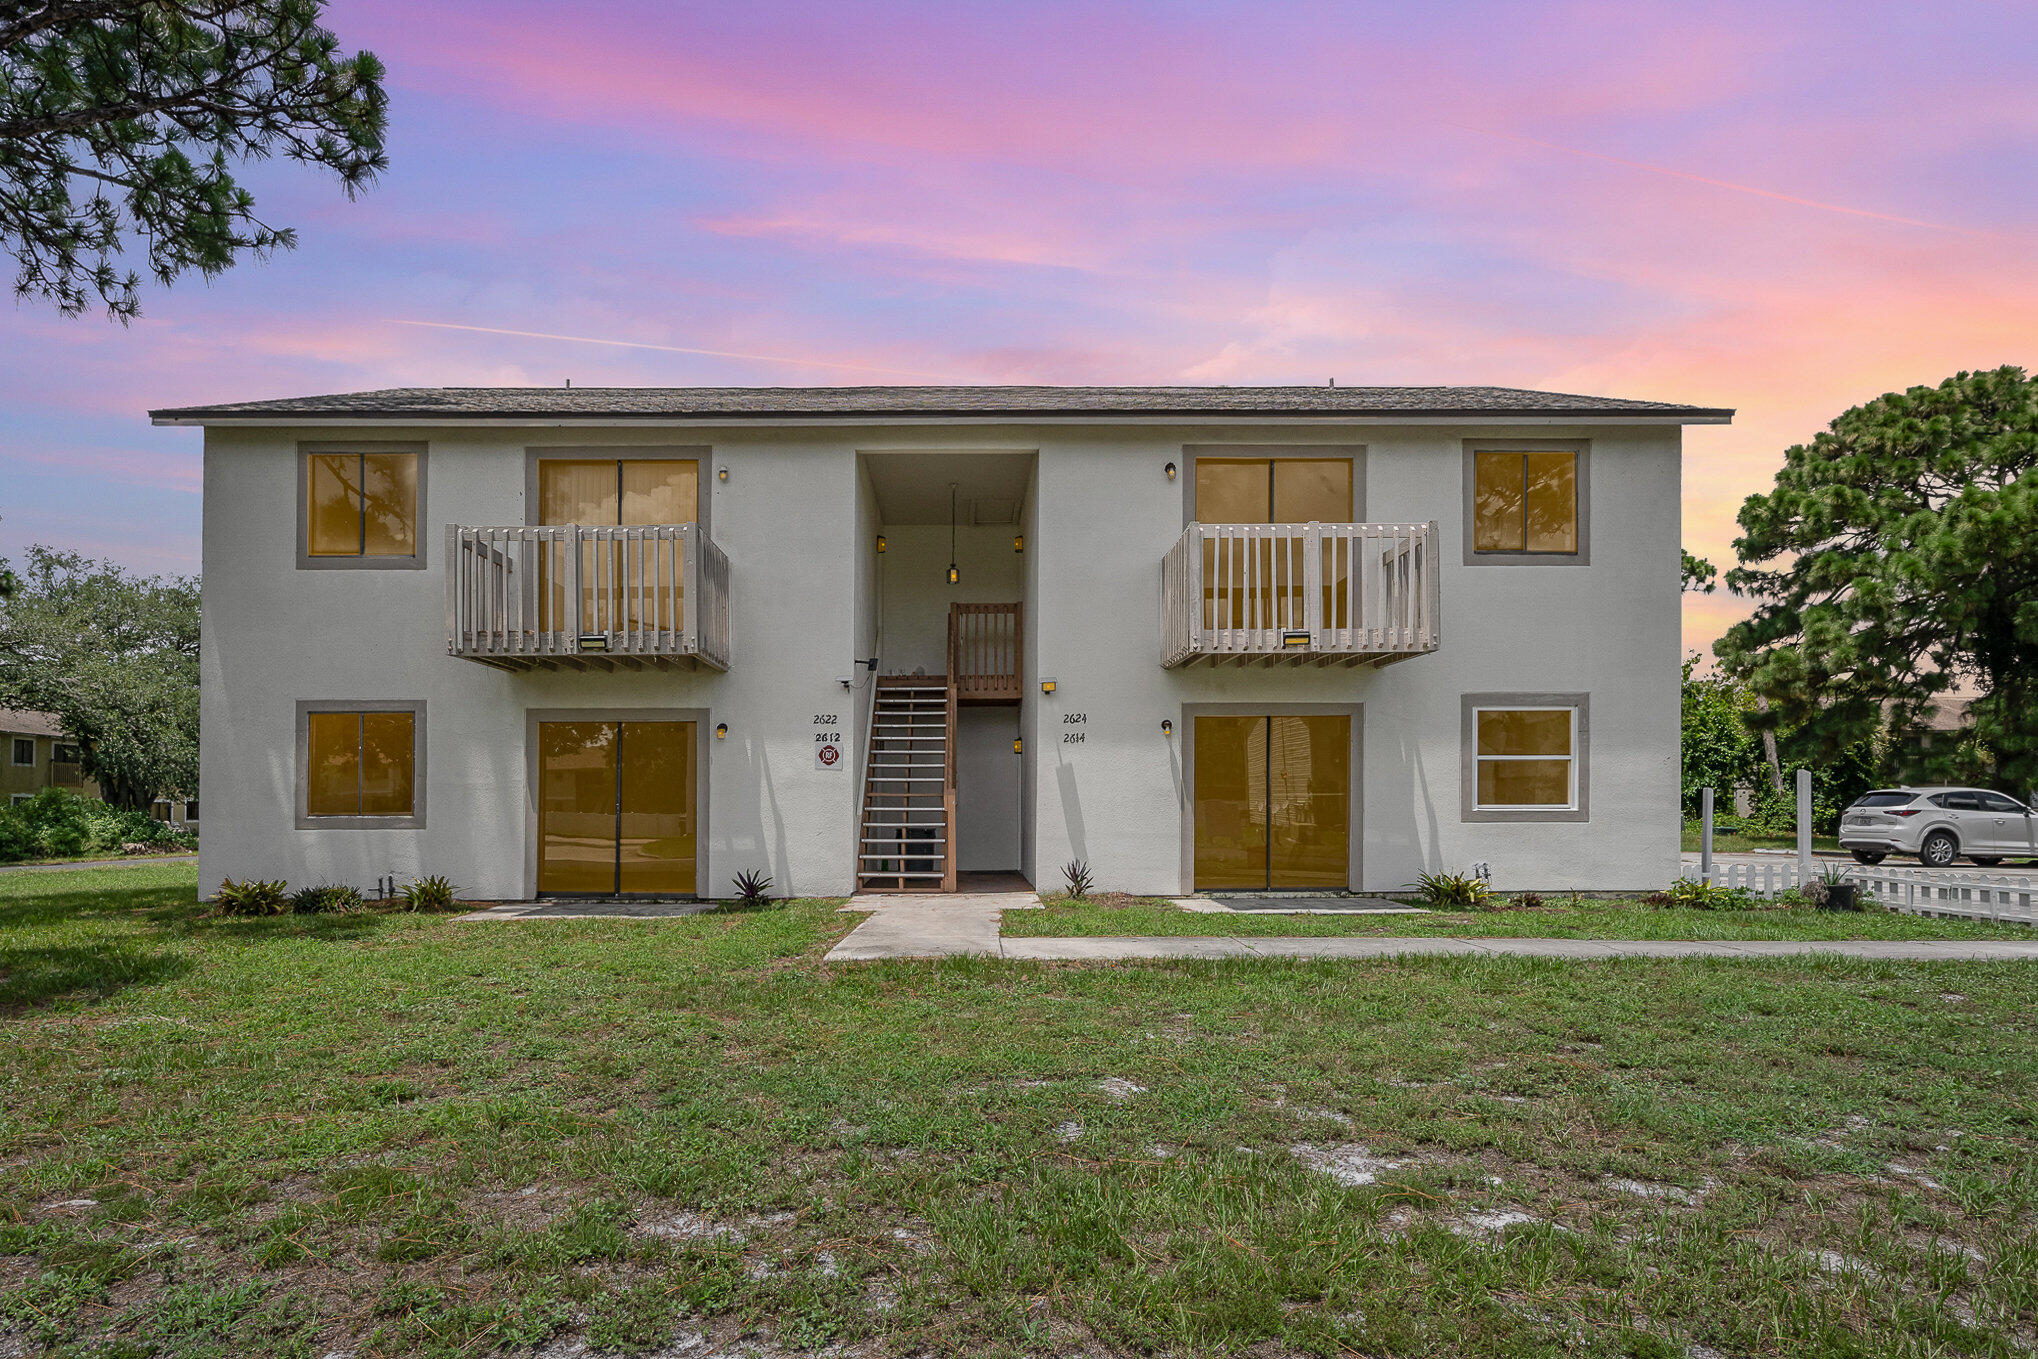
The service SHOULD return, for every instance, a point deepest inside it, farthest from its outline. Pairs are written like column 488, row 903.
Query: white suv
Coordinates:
column 1939, row 825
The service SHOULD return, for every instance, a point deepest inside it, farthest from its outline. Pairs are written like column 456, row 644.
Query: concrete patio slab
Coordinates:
column 927, row 926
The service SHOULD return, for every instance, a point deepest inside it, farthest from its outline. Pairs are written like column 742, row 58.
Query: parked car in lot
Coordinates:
column 1939, row 825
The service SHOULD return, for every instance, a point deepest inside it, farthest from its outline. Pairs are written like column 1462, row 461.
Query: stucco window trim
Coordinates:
column 14, row 752
column 1352, row 453
column 704, row 744
column 307, row 562
column 702, row 454
column 1468, row 740
column 1581, row 447
column 302, row 773
column 1355, row 831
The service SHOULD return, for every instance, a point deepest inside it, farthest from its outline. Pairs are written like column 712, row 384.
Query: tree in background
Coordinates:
column 1722, row 750
column 1700, row 575
column 121, row 122
column 115, row 657
column 1896, row 559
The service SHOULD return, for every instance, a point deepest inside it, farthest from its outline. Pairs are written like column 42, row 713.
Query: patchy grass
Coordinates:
column 408, row 1135
column 1583, row 918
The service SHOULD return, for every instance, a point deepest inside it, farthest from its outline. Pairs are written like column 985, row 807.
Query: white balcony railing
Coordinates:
column 1325, row 593
column 576, row 595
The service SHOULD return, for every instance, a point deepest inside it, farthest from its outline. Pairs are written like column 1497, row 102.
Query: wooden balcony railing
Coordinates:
column 1353, row 594
column 587, row 596
column 984, row 651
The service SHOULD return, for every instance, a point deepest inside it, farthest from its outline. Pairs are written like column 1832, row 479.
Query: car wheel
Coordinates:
column 1862, row 856
column 1939, row 850
column 1986, row 863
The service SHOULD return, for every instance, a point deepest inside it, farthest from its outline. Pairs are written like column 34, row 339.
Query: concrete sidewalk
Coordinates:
column 132, row 861
column 967, row 924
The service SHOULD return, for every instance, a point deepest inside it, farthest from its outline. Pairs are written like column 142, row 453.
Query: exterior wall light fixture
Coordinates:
column 1047, row 686
column 1170, row 470
column 1018, row 745
column 722, row 472
column 1167, row 727
column 721, row 731
column 1018, row 542
column 881, row 544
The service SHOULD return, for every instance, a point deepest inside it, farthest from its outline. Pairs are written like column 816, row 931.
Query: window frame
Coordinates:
column 14, row 759
column 1581, row 763
column 57, row 749
column 302, row 773
column 417, row 561
column 1582, row 449
column 1352, row 453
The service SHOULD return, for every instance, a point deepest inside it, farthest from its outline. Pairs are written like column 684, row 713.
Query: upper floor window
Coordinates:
column 24, row 750
column 361, row 507
column 619, row 490
column 63, row 753
column 360, row 764
column 1525, row 503
column 1274, row 490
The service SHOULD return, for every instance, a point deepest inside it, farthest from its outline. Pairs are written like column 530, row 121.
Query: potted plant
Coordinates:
column 1831, row 891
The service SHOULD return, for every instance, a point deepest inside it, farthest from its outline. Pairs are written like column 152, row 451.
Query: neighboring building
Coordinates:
column 37, row 756
column 639, row 640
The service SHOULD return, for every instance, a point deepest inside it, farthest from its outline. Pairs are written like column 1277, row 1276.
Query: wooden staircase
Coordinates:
column 907, row 837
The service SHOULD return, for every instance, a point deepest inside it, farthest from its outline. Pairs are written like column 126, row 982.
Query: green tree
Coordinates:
column 1718, row 748
column 115, row 657
column 121, row 122
column 1700, row 575
column 1897, row 558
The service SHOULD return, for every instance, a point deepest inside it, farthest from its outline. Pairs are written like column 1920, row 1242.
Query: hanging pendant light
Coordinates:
column 954, row 576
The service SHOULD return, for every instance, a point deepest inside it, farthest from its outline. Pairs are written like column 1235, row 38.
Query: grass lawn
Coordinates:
column 1740, row 843
column 407, row 1135
column 1586, row 919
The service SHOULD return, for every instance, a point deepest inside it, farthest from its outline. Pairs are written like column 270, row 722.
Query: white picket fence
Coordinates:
column 2008, row 898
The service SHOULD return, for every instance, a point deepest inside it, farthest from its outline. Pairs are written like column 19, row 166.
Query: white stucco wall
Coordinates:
column 796, row 520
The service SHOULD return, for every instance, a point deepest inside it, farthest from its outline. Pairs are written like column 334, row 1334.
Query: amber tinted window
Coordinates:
column 360, row 764
column 361, row 504
column 1525, row 502
column 1273, row 490
column 1526, row 757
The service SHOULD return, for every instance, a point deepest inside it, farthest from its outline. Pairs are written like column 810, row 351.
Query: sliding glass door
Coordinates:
column 1272, row 802
column 616, row 808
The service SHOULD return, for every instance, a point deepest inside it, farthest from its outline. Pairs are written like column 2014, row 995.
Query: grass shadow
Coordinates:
column 37, row 975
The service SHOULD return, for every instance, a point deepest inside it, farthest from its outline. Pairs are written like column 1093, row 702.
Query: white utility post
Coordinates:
column 1804, row 826
column 1705, row 835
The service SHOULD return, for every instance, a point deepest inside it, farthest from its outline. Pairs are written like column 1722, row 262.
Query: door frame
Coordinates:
column 703, row 739
column 1355, row 830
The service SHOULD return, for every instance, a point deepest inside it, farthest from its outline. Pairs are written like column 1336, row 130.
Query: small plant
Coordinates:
column 427, row 894
column 1453, row 891
column 1076, row 874
column 1698, row 895
column 330, row 898
column 1528, row 901
column 753, row 889
column 253, row 897
column 1659, row 900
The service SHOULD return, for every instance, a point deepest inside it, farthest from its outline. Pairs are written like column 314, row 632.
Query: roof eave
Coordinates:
column 284, row 419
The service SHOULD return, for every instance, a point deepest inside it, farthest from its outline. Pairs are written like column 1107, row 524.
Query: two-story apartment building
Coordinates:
column 39, row 756
column 552, row 641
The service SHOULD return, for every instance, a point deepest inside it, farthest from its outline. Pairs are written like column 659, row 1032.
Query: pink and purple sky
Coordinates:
column 1784, row 207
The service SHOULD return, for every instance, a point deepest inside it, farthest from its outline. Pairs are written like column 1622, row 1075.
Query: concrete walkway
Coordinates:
column 967, row 924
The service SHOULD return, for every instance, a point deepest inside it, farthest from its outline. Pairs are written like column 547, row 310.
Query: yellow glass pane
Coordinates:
column 332, row 774
column 1231, row 802
column 660, row 491
column 1312, row 491
column 389, row 499
column 1233, row 491
column 1552, row 502
column 332, row 511
column 657, row 840
column 1497, row 502
column 577, row 806
column 577, row 491
column 1525, row 731
column 388, row 754
column 1309, row 801
column 1524, row 783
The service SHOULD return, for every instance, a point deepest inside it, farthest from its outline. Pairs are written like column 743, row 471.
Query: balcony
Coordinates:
column 576, row 596
column 1300, row 594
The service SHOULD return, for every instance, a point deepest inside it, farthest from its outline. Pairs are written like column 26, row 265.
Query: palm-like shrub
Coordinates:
column 252, row 897
column 428, row 894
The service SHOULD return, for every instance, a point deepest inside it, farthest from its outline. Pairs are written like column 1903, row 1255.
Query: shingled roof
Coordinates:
column 1031, row 403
